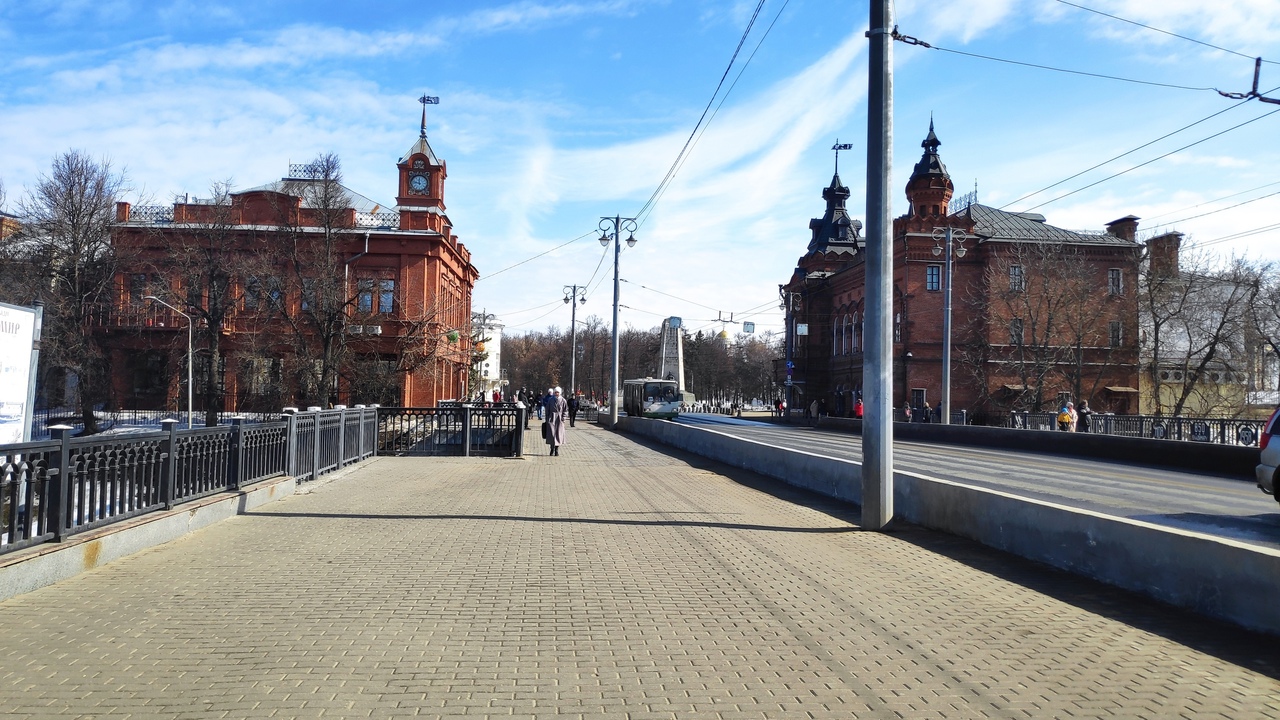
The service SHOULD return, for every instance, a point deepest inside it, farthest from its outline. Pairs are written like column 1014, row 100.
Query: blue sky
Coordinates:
column 556, row 112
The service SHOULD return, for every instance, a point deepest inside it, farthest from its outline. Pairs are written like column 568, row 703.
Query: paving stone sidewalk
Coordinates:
column 613, row 581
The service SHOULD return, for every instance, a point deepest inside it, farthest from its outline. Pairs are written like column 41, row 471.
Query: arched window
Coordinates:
column 848, row 335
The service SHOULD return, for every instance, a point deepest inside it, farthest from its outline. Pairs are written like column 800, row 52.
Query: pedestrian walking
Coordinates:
column 906, row 411
column 1071, row 410
column 857, row 409
column 557, row 412
column 574, row 406
column 1064, row 419
column 1084, row 422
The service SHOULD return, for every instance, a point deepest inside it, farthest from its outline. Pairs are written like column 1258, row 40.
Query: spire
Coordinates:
column 930, row 163
column 426, row 100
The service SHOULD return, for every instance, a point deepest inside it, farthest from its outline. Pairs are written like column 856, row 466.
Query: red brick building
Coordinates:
column 300, row 291
column 1039, row 314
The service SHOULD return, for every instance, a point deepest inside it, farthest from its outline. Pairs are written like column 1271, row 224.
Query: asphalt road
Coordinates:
column 1221, row 505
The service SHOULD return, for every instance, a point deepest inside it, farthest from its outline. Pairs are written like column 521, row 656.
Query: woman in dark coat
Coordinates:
column 557, row 414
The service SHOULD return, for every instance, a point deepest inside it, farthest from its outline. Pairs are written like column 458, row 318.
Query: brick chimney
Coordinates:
column 1162, row 253
column 1126, row 228
column 122, row 212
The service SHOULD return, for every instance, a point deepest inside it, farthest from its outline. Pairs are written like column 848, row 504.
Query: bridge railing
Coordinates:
column 492, row 429
column 1221, row 431
column 53, row 489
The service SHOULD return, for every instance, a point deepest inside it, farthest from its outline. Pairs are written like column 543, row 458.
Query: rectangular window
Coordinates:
column 364, row 296
column 386, row 296
column 1115, row 282
column 252, row 293
column 275, row 294
column 137, row 287
column 1015, row 331
column 933, row 278
column 1115, row 334
column 1017, row 279
column 308, row 299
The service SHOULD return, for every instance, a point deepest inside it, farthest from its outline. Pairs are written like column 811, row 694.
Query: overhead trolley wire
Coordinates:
column 535, row 257
column 1166, row 32
column 676, row 163
column 680, row 161
column 1154, row 159
column 907, row 39
column 1123, row 154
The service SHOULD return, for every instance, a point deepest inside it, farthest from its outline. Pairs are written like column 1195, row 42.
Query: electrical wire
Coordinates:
column 1166, row 32
column 1229, row 207
column 1161, row 157
column 535, row 257
column 536, row 307
column 1123, row 154
column 673, row 297
column 1210, row 202
column 1237, row 236
column 675, row 164
column 643, row 216
column 907, row 39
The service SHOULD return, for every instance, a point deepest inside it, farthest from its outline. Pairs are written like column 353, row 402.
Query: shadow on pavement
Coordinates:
column 1256, row 651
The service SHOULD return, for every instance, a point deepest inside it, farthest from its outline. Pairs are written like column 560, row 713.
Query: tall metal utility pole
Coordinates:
column 618, row 224
column 572, row 296
column 954, row 247
column 877, row 427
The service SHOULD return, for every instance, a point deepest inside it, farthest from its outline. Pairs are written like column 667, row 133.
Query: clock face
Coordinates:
column 418, row 183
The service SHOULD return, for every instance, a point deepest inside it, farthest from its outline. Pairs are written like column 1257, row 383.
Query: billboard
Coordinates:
column 17, row 376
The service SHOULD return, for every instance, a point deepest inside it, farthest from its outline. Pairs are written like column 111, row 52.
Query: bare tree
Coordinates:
column 1028, row 309
column 1265, row 320
column 1197, row 322
column 205, row 253
column 65, row 257
column 311, row 249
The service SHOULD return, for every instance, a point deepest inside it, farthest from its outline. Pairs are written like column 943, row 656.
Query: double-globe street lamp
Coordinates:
column 574, row 296
column 618, row 224
column 190, row 354
column 950, row 241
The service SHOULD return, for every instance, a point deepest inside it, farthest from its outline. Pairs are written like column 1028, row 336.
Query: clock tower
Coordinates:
column 422, row 175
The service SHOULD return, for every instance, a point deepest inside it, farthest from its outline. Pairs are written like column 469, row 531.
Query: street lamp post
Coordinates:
column 950, row 241
column 190, row 353
column 618, row 224
column 572, row 293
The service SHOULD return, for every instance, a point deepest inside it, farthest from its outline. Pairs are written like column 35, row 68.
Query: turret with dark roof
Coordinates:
column 930, row 188
column 835, row 231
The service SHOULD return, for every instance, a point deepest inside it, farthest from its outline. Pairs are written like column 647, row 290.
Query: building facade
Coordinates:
column 298, row 292
column 1039, row 314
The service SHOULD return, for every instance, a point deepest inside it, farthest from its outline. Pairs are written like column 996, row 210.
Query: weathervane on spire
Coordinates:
column 426, row 100
column 838, row 147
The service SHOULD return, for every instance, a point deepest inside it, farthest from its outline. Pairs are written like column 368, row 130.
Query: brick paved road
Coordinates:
column 613, row 581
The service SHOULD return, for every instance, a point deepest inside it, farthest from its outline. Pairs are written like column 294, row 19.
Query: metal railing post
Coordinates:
column 61, row 486
column 466, row 431
column 518, row 441
column 168, row 483
column 315, row 443
column 360, row 434
column 235, row 469
column 291, row 442
column 342, row 434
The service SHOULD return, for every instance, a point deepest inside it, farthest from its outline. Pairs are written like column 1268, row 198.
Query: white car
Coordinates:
column 1269, row 460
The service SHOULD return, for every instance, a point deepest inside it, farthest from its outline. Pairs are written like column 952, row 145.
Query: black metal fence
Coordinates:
column 493, row 429
column 51, row 489
column 1221, row 431
column 45, row 418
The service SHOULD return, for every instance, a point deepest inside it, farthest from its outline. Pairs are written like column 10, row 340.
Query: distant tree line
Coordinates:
column 731, row 369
